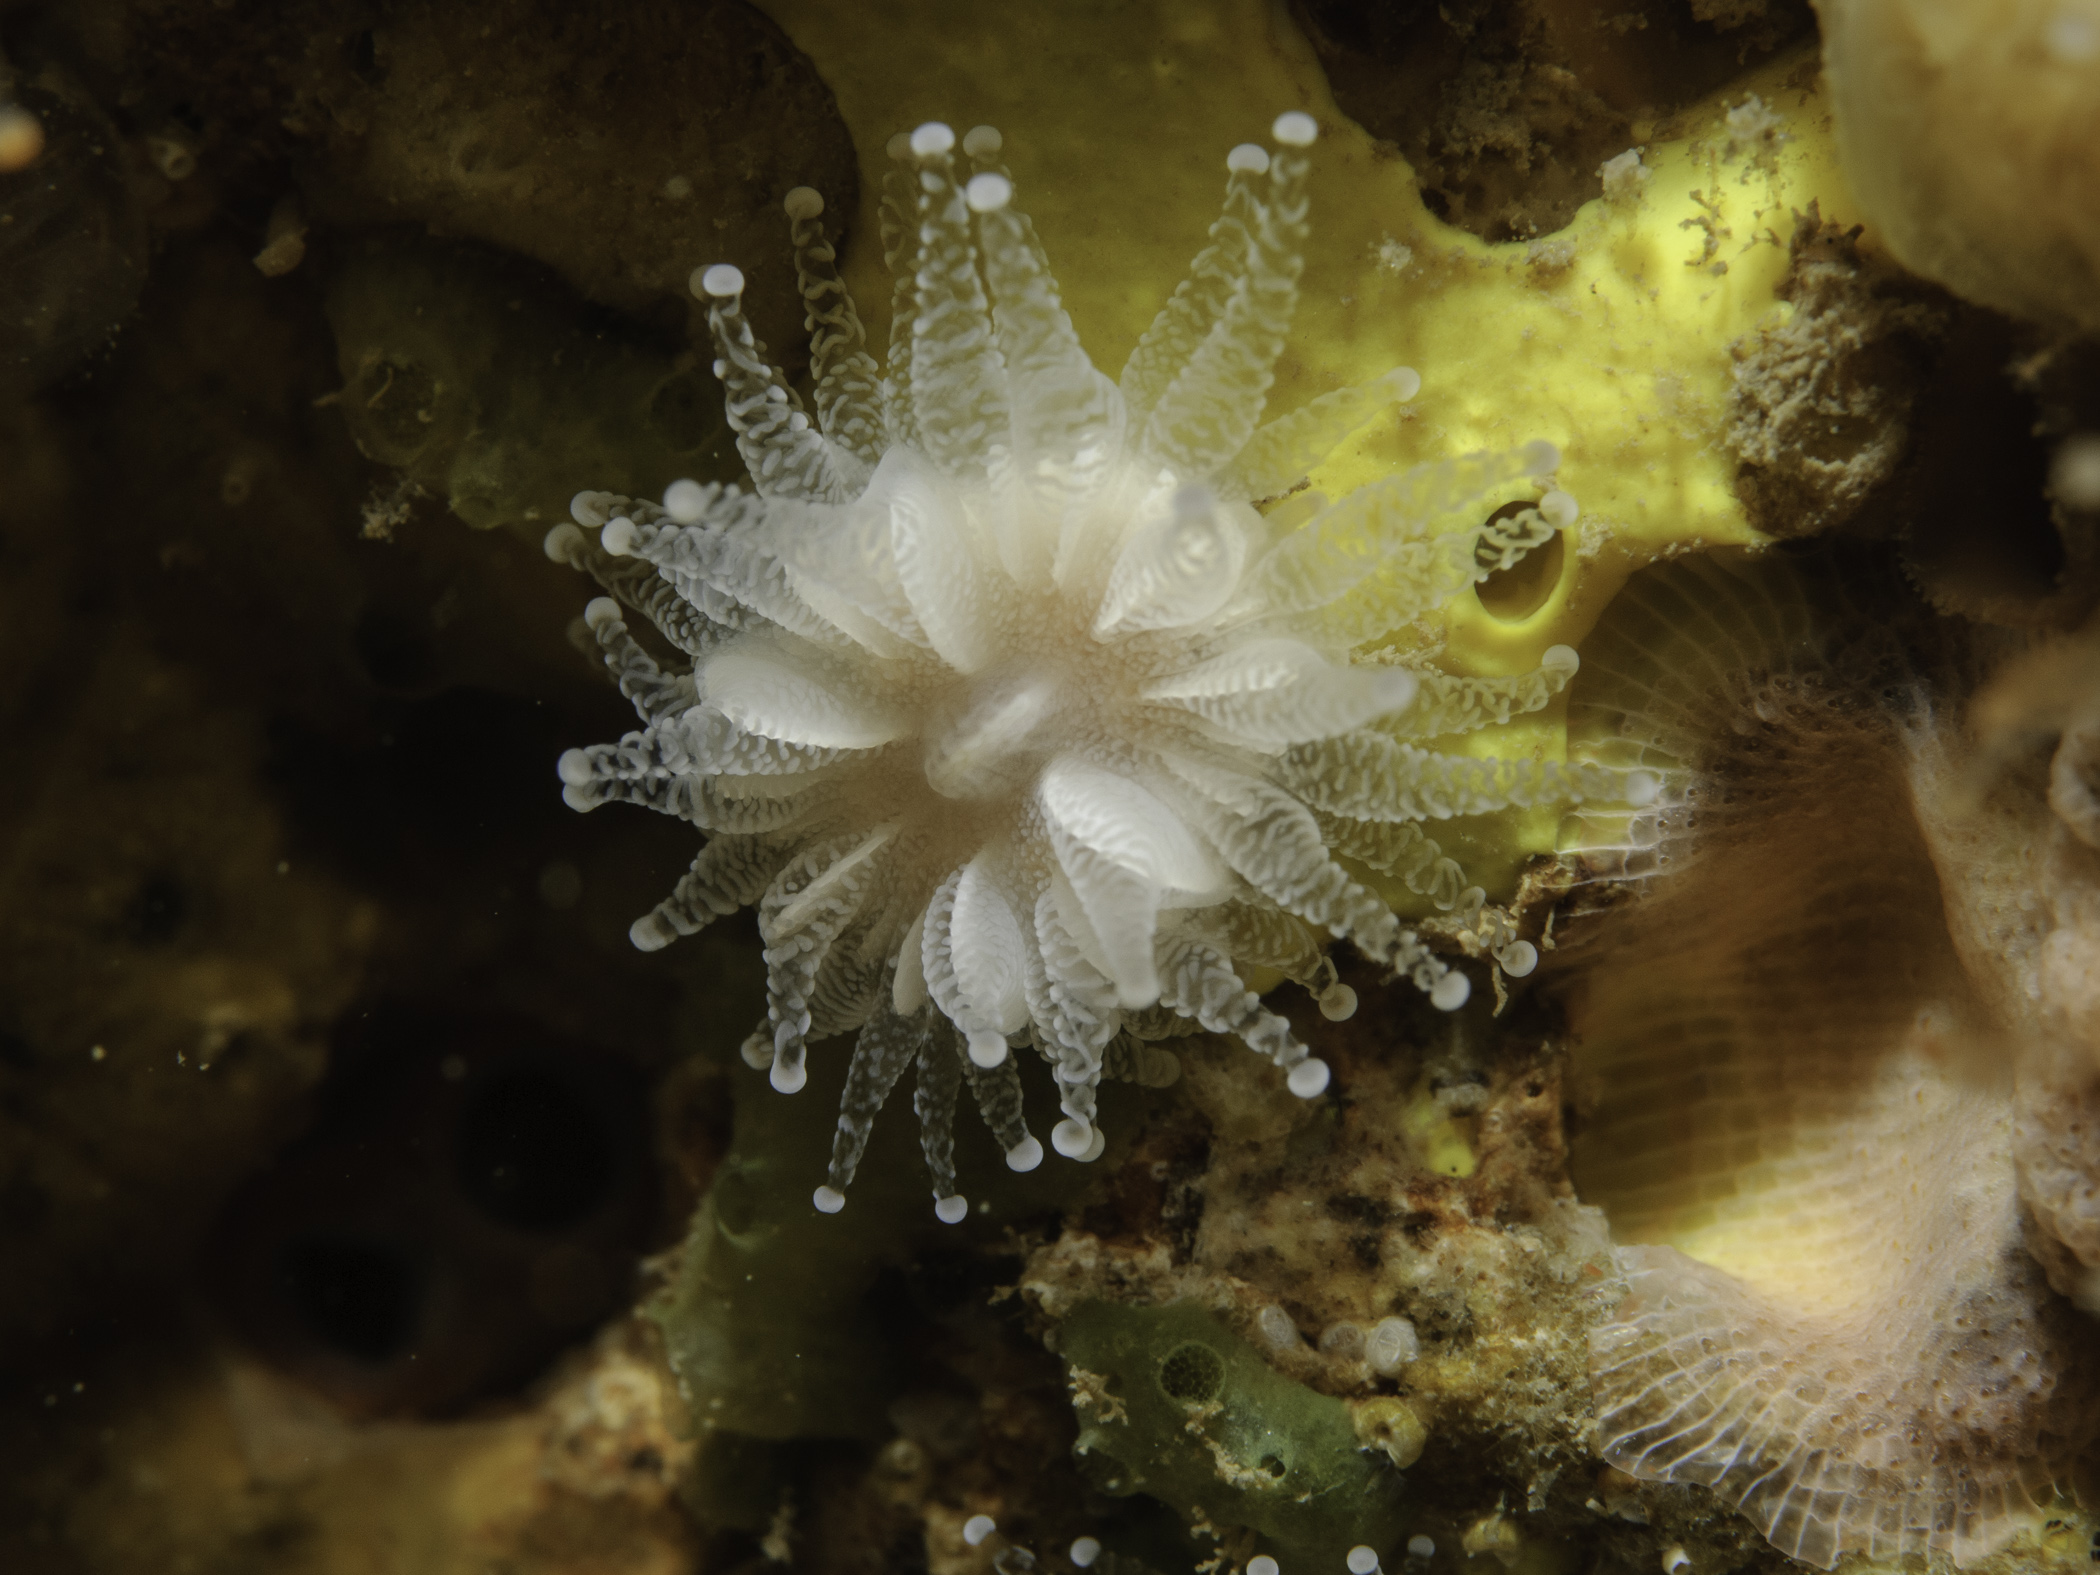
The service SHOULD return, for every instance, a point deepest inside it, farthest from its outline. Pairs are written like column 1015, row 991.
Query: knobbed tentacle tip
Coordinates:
column 1024, row 1155
column 618, row 536
column 1451, row 992
column 803, row 202
column 1518, row 959
column 1134, row 995
column 932, row 139
column 1072, row 1138
column 1295, row 129
column 757, row 1051
column 574, row 767
column 591, row 509
column 648, row 934
column 987, row 1050
column 788, row 1077
column 1249, row 158
column 1559, row 509
column 717, row 281
column 561, row 541
column 597, row 613
column 988, row 193
column 828, row 1200
column 1397, row 688
column 977, row 1528
column 1561, row 659
column 1309, row 1078
column 951, row 1210
column 983, row 142
column 1404, row 382
column 685, row 501
column 1337, row 1003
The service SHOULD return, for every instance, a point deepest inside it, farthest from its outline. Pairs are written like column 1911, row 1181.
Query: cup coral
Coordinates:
column 1014, row 717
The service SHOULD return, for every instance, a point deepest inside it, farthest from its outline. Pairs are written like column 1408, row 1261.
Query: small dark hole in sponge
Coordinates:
column 156, row 911
column 536, row 1149
column 362, row 1297
column 1515, row 593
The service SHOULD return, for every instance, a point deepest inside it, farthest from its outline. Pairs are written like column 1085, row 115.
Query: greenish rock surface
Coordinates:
column 1186, row 1411
column 489, row 386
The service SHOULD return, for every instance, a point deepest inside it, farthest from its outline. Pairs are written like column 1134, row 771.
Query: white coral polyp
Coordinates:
column 1015, row 718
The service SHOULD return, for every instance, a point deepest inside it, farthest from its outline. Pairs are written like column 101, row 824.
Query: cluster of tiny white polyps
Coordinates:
column 1018, row 721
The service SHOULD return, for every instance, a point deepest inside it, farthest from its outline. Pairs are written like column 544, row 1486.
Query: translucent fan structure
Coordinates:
column 1016, row 719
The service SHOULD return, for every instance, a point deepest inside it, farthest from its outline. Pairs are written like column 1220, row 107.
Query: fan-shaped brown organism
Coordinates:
column 1803, row 1042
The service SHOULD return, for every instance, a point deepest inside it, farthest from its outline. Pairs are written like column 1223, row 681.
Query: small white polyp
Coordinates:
column 1421, row 1547
column 977, row 1527
column 1276, row 1328
column 950, row 1210
column 685, row 501
column 723, row 281
column 932, row 138
column 1295, row 129
column 1025, row 1155
column 829, row 1200
column 1392, row 1344
column 1308, row 1079
column 1084, row 1551
column 988, row 193
column 1262, row 1564
column 1363, row 1560
column 1451, row 992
